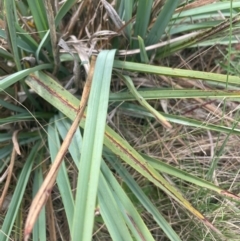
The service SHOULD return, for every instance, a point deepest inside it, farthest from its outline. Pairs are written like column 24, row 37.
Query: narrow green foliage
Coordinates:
column 109, row 211
column 126, row 207
column 9, row 80
column 39, row 15
column 18, row 195
column 9, row 9
column 62, row 178
column 92, row 148
column 128, row 6
column 138, row 192
column 109, row 182
column 143, row 52
column 140, row 28
column 161, row 22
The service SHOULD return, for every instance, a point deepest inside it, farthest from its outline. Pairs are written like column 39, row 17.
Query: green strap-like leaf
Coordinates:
column 13, row 78
column 62, row 177
column 9, row 9
column 92, row 147
column 18, row 195
column 140, row 27
column 161, row 22
column 141, row 196
column 110, row 210
column 126, row 207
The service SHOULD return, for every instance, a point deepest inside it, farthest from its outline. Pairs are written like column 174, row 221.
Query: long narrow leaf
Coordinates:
column 141, row 25
column 39, row 15
column 154, row 94
column 128, row 81
column 18, row 195
column 161, row 70
column 161, row 22
column 128, row 211
column 109, row 211
column 128, row 6
column 74, row 148
column 92, row 148
column 9, row 8
column 214, row 7
column 165, row 168
column 62, row 178
column 140, row 195
column 12, row 79
column 138, row 111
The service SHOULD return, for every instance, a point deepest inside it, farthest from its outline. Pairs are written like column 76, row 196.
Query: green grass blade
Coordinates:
column 63, row 125
column 63, row 10
column 39, row 15
column 166, row 168
column 18, row 195
column 155, row 94
column 128, row 9
column 20, row 42
column 21, row 136
column 161, row 22
column 109, row 211
column 160, row 118
column 50, row 90
column 142, row 20
column 131, row 66
column 25, row 117
column 138, row 111
column 121, row 148
column 92, row 147
column 143, row 52
column 141, row 196
column 13, row 78
column 208, row 8
column 26, row 42
column 128, row 211
column 62, row 177
column 12, row 107
column 9, row 9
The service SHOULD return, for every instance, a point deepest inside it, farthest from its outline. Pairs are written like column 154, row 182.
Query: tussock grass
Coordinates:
column 113, row 183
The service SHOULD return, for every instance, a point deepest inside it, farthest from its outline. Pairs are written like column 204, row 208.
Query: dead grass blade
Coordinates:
column 10, row 169
column 15, row 142
column 16, row 150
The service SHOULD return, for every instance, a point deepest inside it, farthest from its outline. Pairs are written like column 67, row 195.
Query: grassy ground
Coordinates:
column 166, row 165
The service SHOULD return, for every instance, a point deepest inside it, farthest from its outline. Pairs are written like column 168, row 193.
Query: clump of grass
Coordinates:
column 164, row 166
